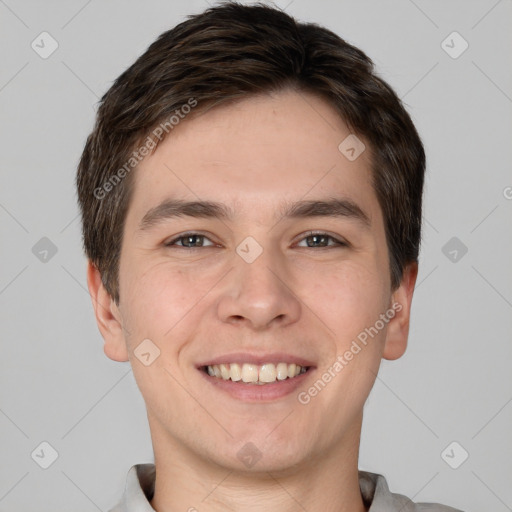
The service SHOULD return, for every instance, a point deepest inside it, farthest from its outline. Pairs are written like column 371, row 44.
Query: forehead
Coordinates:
column 254, row 155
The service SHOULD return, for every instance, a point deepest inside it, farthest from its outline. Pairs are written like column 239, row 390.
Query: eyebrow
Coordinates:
column 175, row 208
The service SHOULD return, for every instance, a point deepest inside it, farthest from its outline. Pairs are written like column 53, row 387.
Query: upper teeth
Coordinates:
column 259, row 374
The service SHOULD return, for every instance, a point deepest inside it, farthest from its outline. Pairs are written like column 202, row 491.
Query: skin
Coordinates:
column 202, row 303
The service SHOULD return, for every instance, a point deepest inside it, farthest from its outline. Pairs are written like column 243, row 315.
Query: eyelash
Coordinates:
column 338, row 243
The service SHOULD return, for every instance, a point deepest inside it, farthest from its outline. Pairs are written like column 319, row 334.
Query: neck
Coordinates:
column 186, row 482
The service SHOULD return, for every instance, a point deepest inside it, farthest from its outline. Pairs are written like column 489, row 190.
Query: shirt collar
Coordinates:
column 140, row 487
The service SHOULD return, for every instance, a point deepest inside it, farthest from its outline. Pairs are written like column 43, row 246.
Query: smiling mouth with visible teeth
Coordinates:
column 255, row 374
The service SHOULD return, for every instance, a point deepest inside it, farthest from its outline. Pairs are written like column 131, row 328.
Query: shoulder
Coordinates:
column 379, row 498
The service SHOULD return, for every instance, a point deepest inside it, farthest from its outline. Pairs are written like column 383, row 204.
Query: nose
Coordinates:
column 259, row 294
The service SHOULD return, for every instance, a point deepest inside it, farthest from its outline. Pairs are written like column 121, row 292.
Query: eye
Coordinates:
column 322, row 240
column 190, row 240
column 194, row 240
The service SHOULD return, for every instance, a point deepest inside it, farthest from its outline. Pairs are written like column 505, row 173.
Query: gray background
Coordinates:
column 453, row 384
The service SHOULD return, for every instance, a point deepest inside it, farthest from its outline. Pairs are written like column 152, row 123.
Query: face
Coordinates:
column 279, row 285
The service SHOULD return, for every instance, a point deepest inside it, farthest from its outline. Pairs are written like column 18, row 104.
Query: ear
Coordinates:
column 108, row 317
column 398, row 327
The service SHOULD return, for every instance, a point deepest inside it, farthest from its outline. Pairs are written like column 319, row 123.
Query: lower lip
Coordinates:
column 251, row 392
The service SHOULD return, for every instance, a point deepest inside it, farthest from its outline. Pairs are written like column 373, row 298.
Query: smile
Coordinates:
column 255, row 374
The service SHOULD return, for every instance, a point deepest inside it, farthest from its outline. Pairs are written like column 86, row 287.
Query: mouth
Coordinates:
column 248, row 373
column 256, row 379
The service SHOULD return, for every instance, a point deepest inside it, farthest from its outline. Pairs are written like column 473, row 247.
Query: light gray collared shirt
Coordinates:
column 140, row 486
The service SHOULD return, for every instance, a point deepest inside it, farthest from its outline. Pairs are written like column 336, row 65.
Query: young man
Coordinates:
column 251, row 209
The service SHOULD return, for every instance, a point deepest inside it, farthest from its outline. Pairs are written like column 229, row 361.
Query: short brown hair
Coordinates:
column 229, row 52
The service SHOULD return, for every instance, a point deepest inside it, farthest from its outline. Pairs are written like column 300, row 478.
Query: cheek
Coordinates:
column 162, row 299
column 348, row 296
column 160, row 304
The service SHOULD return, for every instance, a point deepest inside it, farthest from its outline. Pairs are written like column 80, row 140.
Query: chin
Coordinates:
column 261, row 453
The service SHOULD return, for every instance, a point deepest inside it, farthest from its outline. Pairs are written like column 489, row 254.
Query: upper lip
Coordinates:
column 257, row 359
